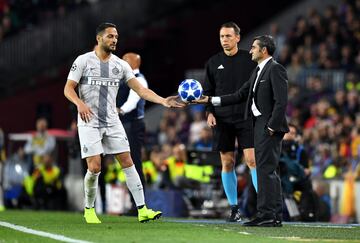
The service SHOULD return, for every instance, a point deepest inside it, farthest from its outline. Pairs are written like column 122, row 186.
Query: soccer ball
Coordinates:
column 190, row 89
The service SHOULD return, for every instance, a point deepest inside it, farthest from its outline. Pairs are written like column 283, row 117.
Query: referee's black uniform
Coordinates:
column 224, row 75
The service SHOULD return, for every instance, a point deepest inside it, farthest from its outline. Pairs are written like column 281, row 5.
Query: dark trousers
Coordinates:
column 267, row 155
column 135, row 131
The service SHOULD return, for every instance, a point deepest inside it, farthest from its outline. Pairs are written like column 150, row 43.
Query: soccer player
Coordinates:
column 98, row 74
column 227, row 71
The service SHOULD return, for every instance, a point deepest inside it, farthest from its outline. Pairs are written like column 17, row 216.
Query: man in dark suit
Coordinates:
column 266, row 95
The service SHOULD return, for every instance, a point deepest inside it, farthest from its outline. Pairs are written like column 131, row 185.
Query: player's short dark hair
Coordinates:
column 268, row 42
column 103, row 26
column 231, row 25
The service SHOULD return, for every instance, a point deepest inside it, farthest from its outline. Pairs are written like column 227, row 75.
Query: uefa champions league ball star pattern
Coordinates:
column 189, row 90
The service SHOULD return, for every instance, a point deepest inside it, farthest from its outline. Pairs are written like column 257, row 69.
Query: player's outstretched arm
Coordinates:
column 148, row 94
column 70, row 94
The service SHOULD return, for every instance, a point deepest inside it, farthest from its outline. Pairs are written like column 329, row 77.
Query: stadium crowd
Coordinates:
column 23, row 15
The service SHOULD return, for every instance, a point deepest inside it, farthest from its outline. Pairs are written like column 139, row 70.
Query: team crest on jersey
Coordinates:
column 115, row 71
column 85, row 149
column 73, row 67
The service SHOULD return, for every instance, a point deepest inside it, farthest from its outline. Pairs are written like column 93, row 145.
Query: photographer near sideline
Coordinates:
column 295, row 176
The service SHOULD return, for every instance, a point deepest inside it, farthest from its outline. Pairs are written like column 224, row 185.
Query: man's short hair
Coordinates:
column 268, row 42
column 231, row 25
column 100, row 29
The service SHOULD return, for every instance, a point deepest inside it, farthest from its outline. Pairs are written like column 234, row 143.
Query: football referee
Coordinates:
column 226, row 72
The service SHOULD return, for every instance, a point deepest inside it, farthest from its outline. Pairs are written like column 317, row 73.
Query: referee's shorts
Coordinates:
column 225, row 135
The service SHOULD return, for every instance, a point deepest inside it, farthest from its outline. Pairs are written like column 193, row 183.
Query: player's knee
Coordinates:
column 94, row 164
column 227, row 165
column 94, row 167
column 126, row 162
column 250, row 162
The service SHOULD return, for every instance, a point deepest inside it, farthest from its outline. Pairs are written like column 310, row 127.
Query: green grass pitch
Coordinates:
column 128, row 229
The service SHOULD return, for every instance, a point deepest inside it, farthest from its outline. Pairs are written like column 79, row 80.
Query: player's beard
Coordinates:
column 108, row 49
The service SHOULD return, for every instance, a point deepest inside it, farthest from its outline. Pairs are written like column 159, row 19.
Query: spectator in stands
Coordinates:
column 175, row 164
column 46, row 186
column 279, row 38
column 284, row 56
column 299, row 32
column 353, row 105
column 41, row 142
column 16, row 169
column 322, row 159
column 352, row 80
column 204, row 142
column 295, row 174
column 174, row 128
column 152, row 163
column 339, row 102
column 113, row 171
column 196, row 127
column 182, row 127
column 158, row 175
column 355, row 143
column 347, row 61
column 309, row 63
column 292, row 144
column 324, row 209
column 295, row 68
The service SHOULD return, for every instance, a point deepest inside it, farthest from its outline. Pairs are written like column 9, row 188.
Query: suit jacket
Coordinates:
column 270, row 96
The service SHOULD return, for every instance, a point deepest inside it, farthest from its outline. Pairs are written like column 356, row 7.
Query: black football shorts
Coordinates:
column 224, row 135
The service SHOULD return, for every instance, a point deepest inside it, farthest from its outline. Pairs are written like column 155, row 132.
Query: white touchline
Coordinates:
column 41, row 233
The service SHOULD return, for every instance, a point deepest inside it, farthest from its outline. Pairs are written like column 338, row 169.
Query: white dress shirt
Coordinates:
column 261, row 66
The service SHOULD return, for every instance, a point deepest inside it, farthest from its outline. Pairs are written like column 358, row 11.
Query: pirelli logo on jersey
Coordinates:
column 113, row 82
